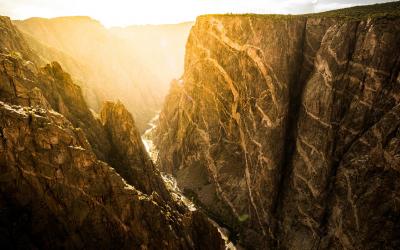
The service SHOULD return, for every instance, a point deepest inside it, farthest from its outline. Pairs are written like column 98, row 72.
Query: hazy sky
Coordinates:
column 125, row 12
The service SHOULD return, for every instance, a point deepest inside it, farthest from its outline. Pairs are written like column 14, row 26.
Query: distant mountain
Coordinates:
column 134, row 64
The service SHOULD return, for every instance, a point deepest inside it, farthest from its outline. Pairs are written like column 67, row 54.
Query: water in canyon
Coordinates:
column 170, row 181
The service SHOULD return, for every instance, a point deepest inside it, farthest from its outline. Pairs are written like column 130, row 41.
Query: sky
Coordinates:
column 127, row 12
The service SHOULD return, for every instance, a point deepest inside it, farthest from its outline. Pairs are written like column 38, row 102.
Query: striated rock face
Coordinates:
column 286, row 129
column 56, row 194
column 345, row 162
column 61, row 168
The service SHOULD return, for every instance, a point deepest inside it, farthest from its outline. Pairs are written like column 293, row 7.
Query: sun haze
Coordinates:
column 126, row 12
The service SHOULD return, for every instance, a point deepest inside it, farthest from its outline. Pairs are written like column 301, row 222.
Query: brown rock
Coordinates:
column 263, row 131
column 58, row 195
column 128, row 155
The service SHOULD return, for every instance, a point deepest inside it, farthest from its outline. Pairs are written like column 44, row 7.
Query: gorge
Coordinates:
column 282, row 133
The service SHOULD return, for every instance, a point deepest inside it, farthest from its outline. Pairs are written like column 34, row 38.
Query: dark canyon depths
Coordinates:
column 283, row 129
column 286, row 128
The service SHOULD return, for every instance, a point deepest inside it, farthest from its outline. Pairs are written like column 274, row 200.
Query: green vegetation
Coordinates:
column 244, row 217
column 391, row 9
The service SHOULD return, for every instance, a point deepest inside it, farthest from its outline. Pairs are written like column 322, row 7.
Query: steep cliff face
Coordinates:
column 286, row 128
column 61, row 168
column 344, row 167
column 128, row 155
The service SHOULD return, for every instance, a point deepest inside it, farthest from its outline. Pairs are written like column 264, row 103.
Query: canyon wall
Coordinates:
column 74, row 179
column 285, row 129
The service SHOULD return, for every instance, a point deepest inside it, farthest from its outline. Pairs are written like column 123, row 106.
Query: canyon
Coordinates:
column 112, row 63
column 63, row 186
column 282, row 133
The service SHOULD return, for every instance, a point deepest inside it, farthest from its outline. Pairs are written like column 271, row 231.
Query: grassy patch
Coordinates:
column 389, row 10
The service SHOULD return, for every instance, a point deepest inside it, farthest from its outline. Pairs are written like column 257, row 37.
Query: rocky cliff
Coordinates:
column 286, row 128
column 127, row 154
column 24, row 83
column 73, row 179
column 55, row 194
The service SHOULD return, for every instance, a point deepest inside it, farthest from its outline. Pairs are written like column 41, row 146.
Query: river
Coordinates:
column 147, row 138
column 170, row 180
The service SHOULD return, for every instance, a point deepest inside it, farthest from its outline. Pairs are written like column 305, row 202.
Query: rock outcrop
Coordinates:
column 20, row 75
column 18, row 79
column 128, row 155
column 13, row 42
column 61, row 168
column 56, row 194
column 286, row 128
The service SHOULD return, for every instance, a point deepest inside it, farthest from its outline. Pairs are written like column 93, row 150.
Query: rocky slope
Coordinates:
column 23, row 83
column 55, row 194
column 80, row 72
column 286, row 128
column 71, row 179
